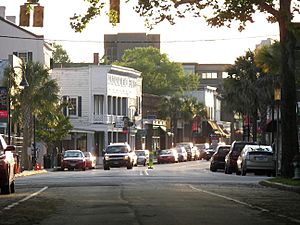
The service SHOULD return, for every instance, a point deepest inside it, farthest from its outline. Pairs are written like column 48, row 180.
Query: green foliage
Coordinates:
column 39, row 99
column 181, row 107
column 160, row 76
column 79, row 22
column 60, row 55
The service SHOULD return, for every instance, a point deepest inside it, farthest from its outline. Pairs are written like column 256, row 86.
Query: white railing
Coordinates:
column 107, row 119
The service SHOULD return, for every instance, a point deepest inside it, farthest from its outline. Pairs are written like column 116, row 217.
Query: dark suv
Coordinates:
column 234, row 152
column 119, row 155
column 218, row 158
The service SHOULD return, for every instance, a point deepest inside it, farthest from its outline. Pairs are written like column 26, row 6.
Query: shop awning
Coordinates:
column 217, row 129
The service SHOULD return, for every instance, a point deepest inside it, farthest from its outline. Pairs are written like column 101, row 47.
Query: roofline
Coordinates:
column 41, row 37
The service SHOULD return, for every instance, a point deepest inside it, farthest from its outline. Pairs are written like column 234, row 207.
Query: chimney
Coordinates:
column 2, row 11
column 11, row 19
column 96, row 58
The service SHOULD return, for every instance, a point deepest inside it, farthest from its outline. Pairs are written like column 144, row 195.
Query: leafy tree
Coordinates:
column 60, row 55
column 243, row 88
column 37, row 101
column 160, row 76
column 180, row 107
column 268, row 59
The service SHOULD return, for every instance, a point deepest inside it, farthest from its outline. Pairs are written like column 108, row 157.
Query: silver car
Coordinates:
column 257, row 159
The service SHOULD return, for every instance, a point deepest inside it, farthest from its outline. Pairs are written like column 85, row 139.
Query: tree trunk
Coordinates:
column 288, row 92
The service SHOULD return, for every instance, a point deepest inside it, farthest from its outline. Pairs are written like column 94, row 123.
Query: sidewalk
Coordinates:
column 280, row 186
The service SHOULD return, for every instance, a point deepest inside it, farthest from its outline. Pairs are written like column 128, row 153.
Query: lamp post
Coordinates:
column 277, row 98
column 22, row 84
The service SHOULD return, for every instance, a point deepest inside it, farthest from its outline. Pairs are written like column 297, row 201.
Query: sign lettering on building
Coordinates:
column 121, row 81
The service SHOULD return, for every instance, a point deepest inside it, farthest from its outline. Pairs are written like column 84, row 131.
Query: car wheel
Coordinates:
column 5, row 190
column 226, row 170
column 83, row 168
column 12, row 187
column 213, row 169
column 244, row 172
column 238, row 172
column 129, row 167
column 106, row 167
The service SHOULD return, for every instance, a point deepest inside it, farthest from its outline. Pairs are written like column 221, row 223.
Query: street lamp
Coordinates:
column 22, row 84
column 277, row 98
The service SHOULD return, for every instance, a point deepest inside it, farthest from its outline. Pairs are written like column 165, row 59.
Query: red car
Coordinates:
column 73, row 159
column 8, row 167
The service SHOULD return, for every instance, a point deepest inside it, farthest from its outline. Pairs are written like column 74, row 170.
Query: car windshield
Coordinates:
column 72, row 155
column 262, row 149
column 140, row 153
column 165, row 152
column 116, row 149
column 179, row 150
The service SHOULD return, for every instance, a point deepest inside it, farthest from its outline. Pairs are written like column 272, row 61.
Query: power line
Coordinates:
column 140, row 42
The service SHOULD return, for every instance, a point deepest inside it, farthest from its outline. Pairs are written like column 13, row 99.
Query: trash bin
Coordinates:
column 47, row 161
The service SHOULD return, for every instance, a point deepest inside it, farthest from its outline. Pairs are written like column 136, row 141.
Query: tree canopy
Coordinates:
column 38, row 103
column 60, row 55
column 160, row 75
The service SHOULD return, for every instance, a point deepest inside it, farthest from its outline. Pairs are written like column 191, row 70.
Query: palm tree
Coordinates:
column 35, row 102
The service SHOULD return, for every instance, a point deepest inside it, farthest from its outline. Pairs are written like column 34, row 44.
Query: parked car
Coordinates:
column 8, row 167
column 217, row 160
column 182, row 154
column 202, row 148
column 119, row 155
column 142, row 157
column 233, row 154
column 257, row 159
column 90, row 160
column 167, row 156
column 73, row 159
column 189, row 147
column 208, row 153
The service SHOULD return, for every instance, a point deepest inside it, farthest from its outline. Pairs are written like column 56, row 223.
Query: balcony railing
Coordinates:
column 107, row 119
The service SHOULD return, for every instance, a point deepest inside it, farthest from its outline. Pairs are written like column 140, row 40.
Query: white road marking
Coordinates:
column 244, row 203
column 24, row 199
column 144, row 173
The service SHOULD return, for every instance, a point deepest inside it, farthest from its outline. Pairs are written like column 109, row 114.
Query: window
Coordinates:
column 209, row 75
column 98, row 104
column 24, row 56
column 73, row 106
column 224, row 75
column 109, row 105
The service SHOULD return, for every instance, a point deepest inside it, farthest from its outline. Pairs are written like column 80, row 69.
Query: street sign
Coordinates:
column 119, row 124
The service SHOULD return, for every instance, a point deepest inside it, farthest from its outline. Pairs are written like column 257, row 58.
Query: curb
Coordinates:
column 280, row 186
column 30, row 173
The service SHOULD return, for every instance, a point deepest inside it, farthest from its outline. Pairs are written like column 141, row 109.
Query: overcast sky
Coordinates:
column 189, row 40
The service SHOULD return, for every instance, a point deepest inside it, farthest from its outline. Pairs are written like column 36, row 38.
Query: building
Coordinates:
column 21, row 42
column 211, row 79
column 116, row 44
column 104, row 105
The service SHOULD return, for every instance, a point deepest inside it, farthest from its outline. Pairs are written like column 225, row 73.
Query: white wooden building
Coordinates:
column 100, row 97
column 21, row 42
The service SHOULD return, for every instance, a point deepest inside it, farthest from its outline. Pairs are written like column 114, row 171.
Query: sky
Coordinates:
column 189, row 40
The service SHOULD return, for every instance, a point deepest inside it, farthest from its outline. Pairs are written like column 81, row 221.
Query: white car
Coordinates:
column 182, row 154
column 257, row 159
column 142, row 157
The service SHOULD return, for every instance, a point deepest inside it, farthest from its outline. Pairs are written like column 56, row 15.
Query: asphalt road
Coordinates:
column 182, row 193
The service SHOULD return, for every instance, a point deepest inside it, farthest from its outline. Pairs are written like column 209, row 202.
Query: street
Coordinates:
column 182, row 193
